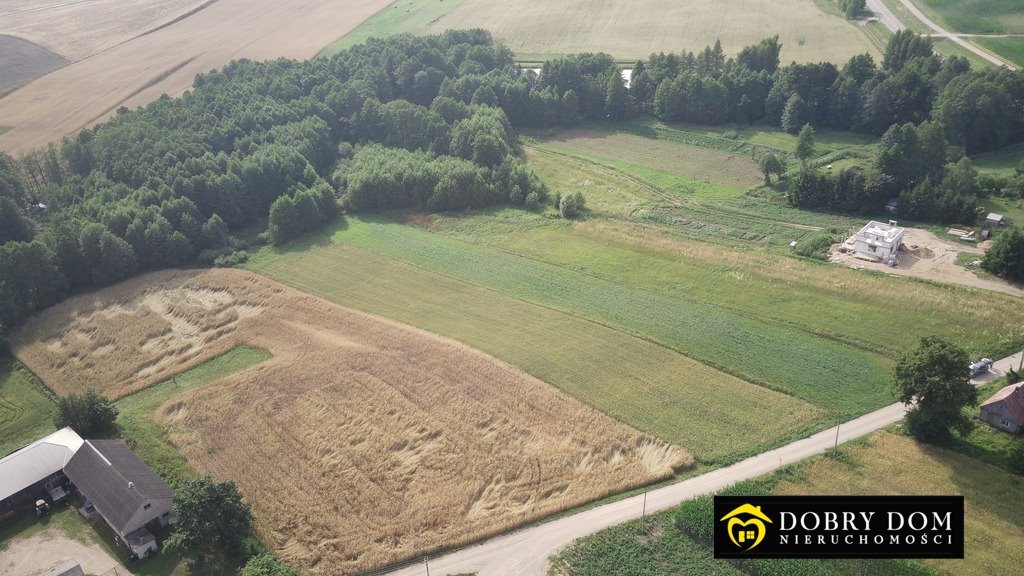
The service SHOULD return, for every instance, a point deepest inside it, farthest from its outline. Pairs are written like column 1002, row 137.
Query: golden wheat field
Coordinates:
column 634, row 29
column 362, row 442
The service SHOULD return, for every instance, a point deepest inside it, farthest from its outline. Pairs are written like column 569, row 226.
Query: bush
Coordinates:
column 87, row 414
column 236, row 258
column 266, row 565
column 570, row 205
column 814, row 245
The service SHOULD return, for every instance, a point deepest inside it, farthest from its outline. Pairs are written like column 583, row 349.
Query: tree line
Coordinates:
column 429, row 123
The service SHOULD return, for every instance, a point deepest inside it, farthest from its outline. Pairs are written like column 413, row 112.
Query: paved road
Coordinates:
column 525, row 552
column 886, row 17
column 946, row 34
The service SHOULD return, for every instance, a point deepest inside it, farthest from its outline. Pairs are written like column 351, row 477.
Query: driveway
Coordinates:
column 30, row 555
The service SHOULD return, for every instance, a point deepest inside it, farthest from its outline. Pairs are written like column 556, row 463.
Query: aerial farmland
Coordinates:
column 436, row 287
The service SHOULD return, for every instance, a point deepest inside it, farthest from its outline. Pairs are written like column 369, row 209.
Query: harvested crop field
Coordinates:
column 22, row 61
column 704, row 164
column 362, row 441
column 166, row 60
column 77, row 29
column 631, row 30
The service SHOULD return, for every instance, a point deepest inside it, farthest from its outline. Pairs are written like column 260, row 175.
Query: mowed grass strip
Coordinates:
column 829, row 374
column 26, row 410
column 631, row 30
column 891, row 464
column 399, row 17
column 714, row 415
column 150, row 438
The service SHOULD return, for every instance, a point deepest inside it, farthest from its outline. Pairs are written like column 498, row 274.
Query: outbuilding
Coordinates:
column 36, row 471
column 1005, row 409
column 993, row 220
column 122, row 490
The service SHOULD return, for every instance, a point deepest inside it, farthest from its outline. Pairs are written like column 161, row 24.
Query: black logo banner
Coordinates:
column 839, row 527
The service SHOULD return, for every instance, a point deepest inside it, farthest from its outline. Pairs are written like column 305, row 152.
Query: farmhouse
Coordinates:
column 36, row 471
column 880, row 242
column 1005, row 409
column 122, row 490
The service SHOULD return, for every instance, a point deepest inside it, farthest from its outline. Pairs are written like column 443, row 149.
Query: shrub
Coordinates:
column 87, row 414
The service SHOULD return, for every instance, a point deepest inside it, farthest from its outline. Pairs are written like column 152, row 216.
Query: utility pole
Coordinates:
column 426, row 563
column 643, row 513
column 1021, row 368
column 837, row 436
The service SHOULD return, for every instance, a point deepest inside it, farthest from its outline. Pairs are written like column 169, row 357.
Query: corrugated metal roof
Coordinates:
column 36, row 461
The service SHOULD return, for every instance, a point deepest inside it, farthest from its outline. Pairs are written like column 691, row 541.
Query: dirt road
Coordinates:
column 525, row 552
column 166, row 61
column 935, row 260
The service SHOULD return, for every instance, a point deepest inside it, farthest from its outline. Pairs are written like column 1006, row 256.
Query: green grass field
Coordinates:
column 26, row 410
column 884, row 463
column 975, row 16
column 401, row 16
column 775, row 354
column 1011, row 48
column 1003, row 161
column 636, row 381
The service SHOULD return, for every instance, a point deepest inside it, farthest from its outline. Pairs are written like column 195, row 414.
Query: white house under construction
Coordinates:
column 878, row 241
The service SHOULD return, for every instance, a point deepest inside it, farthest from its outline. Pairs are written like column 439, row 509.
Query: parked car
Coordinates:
column 980, row 367
column 42, row 508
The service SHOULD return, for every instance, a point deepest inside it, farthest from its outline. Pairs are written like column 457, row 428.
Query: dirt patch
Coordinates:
column 141, row 68
column 932, row 258
column 31, row 555
column 22, row 61
column 362, row 442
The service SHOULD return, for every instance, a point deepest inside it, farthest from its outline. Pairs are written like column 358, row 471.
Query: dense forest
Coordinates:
column 428, row 123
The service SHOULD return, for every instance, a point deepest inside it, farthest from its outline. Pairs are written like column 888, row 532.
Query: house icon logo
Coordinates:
column 745, row 526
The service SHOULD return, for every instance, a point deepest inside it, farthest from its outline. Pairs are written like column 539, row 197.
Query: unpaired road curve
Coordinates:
column 525, row 552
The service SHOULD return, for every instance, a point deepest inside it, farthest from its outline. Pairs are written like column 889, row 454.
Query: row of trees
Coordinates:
column 166, row 184
column 284, row 140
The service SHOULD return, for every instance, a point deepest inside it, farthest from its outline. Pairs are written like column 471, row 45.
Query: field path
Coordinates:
column 166, row 61
column 525, row 552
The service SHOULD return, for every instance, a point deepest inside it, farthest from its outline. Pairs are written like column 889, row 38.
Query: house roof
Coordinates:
column 115, row 480
column 44, row 457
column 1012, row 397
column 885, row 233
column 994, row 217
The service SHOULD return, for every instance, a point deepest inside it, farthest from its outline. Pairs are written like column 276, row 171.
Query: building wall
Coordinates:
column 157, row 509
column 996, row 413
